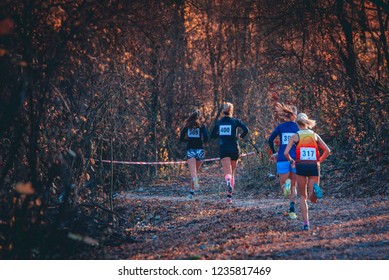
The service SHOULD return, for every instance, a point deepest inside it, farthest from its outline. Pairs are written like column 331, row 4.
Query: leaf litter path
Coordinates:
column 163, row 224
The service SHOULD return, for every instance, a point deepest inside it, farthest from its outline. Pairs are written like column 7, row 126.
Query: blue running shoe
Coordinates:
column 317, row 191
column 305, row 227
column 190, row 195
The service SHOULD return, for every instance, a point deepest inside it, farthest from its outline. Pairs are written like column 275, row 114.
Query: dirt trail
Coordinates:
column 164, row 224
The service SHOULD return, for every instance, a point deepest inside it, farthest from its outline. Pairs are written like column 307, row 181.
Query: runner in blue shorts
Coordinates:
column 287, row 174
column 226, row 129
column 195, row 134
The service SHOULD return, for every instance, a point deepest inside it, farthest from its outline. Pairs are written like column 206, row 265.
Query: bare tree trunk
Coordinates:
column 383, row 37
column 214, row 58
column 154, row 109
column 349, row 61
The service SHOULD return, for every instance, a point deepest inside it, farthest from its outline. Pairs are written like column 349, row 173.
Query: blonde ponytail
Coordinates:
column 303, row 120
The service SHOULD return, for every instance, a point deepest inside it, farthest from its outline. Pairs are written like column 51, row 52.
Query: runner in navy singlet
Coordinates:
column 287, row 114
column 226, row 129
column 195, row 134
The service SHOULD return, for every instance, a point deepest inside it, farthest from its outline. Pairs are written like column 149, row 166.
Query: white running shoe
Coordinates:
column 287, row 190
column 292, row 216
column 196, row 183
column 229, row 187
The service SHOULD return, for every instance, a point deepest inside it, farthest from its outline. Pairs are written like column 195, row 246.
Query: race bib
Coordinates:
column 194, row 132
column 285, row 138
column 308, row 154
column 225, row 130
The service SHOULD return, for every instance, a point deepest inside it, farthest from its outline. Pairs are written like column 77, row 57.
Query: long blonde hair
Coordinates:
column 286, row 112
column 303, row 120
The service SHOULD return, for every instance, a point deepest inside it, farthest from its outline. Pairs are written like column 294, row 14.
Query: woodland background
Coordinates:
column 84, row 80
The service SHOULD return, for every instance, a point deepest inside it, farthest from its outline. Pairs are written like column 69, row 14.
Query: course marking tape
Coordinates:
column 161, row 162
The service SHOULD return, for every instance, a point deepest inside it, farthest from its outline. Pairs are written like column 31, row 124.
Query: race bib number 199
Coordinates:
column 225, row 130
column 308, row 154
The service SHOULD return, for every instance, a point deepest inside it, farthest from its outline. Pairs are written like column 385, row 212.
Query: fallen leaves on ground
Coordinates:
column 164, row 224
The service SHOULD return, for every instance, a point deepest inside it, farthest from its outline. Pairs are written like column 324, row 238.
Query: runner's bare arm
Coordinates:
column 324, row 147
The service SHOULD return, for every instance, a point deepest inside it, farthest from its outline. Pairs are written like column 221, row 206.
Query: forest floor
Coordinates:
column 162, row 223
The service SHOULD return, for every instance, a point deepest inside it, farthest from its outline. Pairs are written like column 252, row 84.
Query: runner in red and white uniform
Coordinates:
column 308, row 160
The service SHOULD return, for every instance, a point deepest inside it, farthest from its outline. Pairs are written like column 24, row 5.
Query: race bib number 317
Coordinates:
column 308, row 154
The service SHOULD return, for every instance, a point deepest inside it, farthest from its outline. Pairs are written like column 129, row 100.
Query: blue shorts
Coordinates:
column 198, row 154
column 284, row 167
